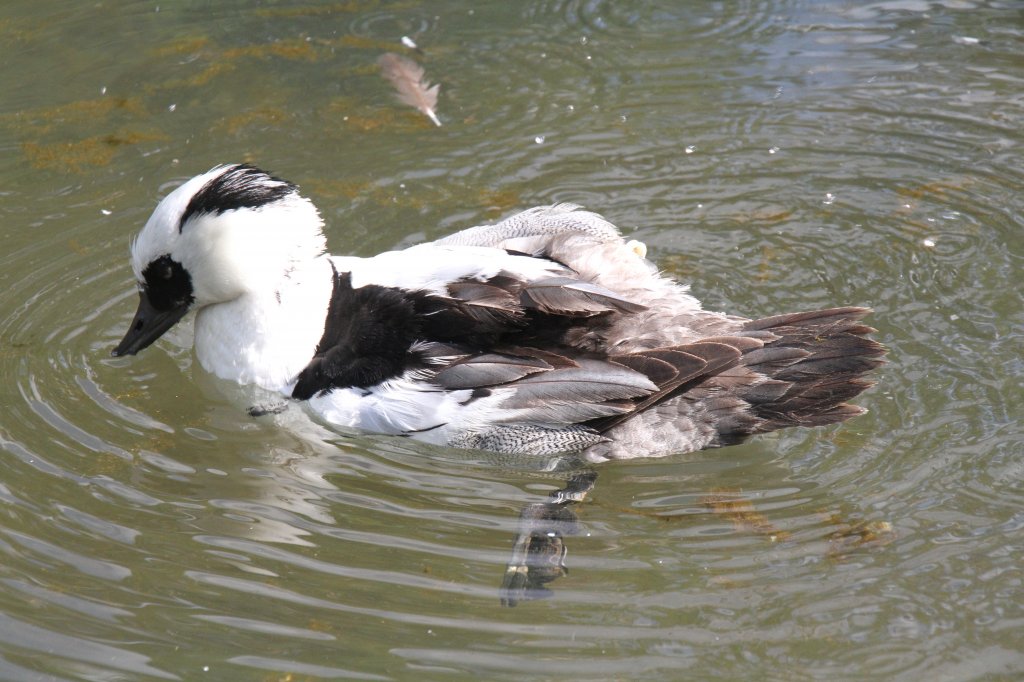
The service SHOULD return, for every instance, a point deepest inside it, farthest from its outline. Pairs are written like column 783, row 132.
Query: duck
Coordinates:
column 544, row 333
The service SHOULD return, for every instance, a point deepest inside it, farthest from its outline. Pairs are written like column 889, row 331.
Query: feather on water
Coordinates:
column 410, row 83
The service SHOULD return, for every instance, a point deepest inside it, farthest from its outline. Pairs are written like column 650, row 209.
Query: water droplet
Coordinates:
column 105, row 211
column 570, row 107
column 539, row 139
column 829, row 199
column 172, row 107
column 773, row 150
column 928, row 241
column 690, row 149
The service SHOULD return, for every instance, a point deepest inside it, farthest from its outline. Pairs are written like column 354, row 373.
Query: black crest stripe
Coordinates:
column 239, row 186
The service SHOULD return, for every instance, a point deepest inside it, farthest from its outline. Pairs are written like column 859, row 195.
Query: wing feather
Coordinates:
column 573, row 297
column 488, row 369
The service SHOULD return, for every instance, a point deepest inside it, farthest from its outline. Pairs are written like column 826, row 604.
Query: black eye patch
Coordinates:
column 167, row 284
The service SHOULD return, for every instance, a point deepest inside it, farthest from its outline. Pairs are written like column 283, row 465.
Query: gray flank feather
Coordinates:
column 541, row 221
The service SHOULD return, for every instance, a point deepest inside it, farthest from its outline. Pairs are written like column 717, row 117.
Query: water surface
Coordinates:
column 777, row 155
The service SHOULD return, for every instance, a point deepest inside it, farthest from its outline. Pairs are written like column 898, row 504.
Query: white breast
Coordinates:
column 266, row 337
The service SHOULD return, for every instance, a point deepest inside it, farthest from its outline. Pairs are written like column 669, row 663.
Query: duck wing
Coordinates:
column 374, row 333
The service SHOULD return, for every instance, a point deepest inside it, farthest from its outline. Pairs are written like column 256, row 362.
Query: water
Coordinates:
column 778, row 155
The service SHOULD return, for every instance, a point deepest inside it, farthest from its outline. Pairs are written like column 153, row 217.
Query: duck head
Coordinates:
column 232, row 231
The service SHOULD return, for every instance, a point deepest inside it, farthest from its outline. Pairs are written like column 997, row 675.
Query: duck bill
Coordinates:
column 148, row 325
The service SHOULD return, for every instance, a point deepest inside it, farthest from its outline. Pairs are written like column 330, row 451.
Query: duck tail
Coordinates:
column 812, row 363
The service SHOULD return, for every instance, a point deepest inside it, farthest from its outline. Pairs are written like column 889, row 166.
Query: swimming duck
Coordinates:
column 544, row 333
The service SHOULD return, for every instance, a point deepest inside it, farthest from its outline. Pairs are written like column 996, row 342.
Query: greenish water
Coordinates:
column 778, row 155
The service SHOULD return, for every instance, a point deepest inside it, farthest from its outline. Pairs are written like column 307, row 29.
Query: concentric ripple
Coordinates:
column 778, row 156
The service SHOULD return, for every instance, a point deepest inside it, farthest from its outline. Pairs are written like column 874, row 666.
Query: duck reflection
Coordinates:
column 304, row 484
column 539, row 550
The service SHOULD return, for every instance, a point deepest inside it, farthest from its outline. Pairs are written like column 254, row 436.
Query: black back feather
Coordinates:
column 366, row 339
column 370, row 332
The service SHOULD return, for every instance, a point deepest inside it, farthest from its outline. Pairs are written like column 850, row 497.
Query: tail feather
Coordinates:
column 816, row 363
column 814, row 366
column 839, row 413
column 813, row 318
column 732, row 420
column 772, row 373
column 768, row 391
column 773, row 359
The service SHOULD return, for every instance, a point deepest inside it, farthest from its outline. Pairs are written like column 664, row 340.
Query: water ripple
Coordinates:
column 776, row 155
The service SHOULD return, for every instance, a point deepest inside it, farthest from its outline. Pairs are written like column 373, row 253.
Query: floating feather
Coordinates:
column 413, row 89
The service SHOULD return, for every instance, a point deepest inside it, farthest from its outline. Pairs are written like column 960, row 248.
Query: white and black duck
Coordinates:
column 544, row 333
